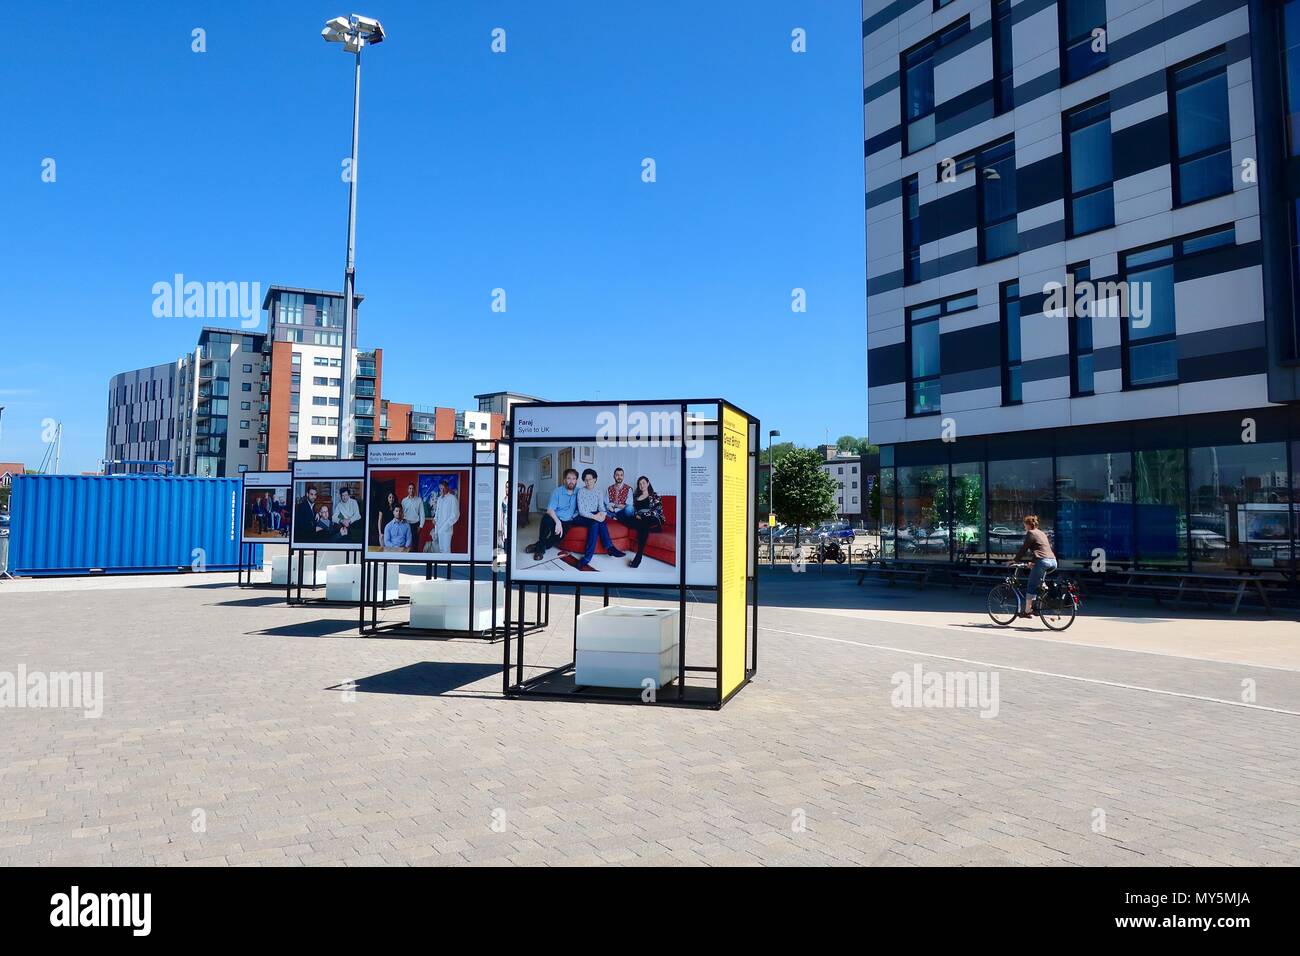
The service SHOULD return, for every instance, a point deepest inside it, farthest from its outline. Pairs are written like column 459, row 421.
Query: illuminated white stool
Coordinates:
column 443, row 605
column 282, row 572
column 343, row 583
column 621, row 646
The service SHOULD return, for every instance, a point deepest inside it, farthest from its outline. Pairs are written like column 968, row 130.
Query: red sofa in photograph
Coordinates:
column 661, row 545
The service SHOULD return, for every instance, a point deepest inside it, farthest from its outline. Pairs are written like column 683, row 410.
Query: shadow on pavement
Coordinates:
column 266, row 601
column 325, row 627
column 426, row 679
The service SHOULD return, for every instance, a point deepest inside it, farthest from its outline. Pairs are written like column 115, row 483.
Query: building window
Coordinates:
column 1011, row 376
column 248, row 369
column 320, row 380
column 923, row 348
column 1095, row 495
column 995, row 171
column 297, row 359
column 1083, row 35
column 1198, row 95
column 1290, row 339
column 243, row 443
column 1089, row 173
column 912, row 229
column 1150, row 341
column 917, row 70
column 1239, row 507
column 245, row 406
column 1290, row 29
column 1003, row 70
column 1080, row 318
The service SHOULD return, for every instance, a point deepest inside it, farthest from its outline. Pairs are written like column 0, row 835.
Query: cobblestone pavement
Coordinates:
column 225, row 739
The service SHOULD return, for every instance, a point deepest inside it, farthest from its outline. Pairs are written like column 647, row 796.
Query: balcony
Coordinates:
column 261, row 428
column 266, row 388
column 266, row 366
column 264, row 408
column 261, row 448
column 365, row 390
column 266, row 345
column 365, row 371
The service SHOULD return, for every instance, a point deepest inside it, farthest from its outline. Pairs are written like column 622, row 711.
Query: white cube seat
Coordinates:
column 623, row 646
column 283, row 571
column 442, row 605
column 343, row 583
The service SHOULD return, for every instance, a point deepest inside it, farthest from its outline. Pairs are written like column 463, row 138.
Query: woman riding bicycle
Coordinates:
column 1037, row 545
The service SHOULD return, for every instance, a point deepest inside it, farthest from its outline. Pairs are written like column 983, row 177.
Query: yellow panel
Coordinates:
column 735, row 543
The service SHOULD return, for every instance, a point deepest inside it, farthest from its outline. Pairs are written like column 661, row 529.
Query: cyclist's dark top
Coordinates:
column 1036, row 543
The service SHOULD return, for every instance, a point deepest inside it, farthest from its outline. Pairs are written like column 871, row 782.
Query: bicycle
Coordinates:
column 1056, row 605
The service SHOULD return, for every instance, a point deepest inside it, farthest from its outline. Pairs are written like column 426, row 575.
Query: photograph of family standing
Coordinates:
column 418, row 512
column 327, row 514
column 266, row 514
column 590, row 509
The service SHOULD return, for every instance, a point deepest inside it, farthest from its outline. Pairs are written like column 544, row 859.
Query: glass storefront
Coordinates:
column 1018, row 488
column 1185, row 493
column 1161, row 512
column 922, row 528
column 1095, row 508
column 1240, row 507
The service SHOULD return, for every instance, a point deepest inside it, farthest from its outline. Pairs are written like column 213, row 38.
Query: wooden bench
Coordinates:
column 892, row 574
column 1176, row 584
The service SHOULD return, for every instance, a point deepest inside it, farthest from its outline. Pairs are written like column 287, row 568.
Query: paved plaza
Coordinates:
column 228, row 736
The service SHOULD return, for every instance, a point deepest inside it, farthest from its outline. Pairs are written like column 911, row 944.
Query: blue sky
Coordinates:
column 519, row 171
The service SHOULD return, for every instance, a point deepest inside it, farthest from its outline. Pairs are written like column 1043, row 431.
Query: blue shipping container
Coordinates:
column 71, row 524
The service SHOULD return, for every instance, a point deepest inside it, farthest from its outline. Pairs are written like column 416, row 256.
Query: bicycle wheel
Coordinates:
column 1057, row 613
column 1003, row 605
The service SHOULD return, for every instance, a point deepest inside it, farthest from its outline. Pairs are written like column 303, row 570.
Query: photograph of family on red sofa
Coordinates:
column 588, row 509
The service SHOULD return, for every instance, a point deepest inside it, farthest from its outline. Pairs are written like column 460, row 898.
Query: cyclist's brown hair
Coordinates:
column 1031, row 520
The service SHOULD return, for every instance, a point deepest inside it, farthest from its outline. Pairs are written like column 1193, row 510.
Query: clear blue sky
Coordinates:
column 520, row 171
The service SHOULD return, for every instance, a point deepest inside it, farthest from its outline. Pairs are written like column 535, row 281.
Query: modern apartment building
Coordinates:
column 199, row 413
column 301, row 378
column 1081, row 277
column 499, row 405
column 248, row 401
column 446, row 424
column 143, row 415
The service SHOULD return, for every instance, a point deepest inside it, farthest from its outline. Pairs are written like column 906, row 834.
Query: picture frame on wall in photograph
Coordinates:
column 544, row 466
column 587, row 454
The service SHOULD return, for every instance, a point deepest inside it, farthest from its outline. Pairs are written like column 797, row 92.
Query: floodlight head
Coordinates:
column 774, row 433
column 354, row 32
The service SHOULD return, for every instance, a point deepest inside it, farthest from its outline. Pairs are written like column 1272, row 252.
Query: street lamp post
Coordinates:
column 771, row 497
column 354, row 33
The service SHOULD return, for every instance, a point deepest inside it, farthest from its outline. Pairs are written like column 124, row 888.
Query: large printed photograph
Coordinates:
column 327, row 514
column 421, row 511
column 266, row 515
column 590, row 513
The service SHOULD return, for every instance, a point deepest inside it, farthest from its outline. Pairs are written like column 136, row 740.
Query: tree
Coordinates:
column 856, row 446
column 804, row 493
column 779, row 451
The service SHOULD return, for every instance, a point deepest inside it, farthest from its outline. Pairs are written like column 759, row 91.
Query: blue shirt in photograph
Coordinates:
column 564, row 503
column 397, row 534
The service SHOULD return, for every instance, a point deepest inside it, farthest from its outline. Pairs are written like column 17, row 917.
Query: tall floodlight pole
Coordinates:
column 771, row 497
column 354, row 33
